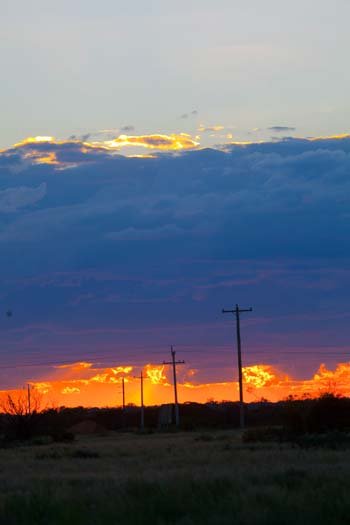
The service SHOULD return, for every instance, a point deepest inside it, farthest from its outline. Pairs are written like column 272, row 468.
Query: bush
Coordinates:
column 329, row 412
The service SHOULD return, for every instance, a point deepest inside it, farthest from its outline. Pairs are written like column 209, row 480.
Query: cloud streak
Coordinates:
column 207, row 129
column 193, row 113
column 281, row 129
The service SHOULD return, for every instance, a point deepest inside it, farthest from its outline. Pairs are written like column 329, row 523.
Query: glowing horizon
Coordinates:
column 82, row 384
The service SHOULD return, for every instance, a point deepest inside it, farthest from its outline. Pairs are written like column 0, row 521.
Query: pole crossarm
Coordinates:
column 240, row 310
column 176, row 362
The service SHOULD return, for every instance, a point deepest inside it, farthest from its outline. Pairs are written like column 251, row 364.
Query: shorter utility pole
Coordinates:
column 237, row 311
column 142, row 420
column 123, row 389
column 123, row 409
column 173, row 362
column 28, row 395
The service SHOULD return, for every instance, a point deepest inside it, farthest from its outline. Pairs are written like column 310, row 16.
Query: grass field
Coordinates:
column 186, row 478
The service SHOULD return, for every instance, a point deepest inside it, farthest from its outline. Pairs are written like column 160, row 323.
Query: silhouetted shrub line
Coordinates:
column 281, row 422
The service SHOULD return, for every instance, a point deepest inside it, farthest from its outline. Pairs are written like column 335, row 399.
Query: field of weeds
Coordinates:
column 186, row 478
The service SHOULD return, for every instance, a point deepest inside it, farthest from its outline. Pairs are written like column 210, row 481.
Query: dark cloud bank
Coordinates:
column 154, row 248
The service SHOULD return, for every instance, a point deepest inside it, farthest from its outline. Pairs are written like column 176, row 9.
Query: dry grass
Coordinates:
column 188, row 478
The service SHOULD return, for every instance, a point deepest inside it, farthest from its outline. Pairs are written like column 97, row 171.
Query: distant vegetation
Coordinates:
column 282, row 421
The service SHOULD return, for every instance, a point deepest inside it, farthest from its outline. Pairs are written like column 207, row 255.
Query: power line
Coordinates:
column 73, row 361
column 131, row 362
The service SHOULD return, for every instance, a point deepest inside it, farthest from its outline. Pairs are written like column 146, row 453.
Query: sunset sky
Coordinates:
column 159, row 162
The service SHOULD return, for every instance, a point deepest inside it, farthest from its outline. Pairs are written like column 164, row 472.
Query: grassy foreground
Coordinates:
column 187, row 478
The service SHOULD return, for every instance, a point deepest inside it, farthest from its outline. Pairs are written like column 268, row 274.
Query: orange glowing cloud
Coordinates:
column 39, row 158
column 331, row 137
column 35, row 140
column 122, row 370
column 33, row 150
column 204, row 129
column 84, row 384
column 336, row 381
column 156, row 375
column 70, row 390
column 46, row 149
column 43, row 388
column 260, row 376
column 82, row 365
column 172, row 142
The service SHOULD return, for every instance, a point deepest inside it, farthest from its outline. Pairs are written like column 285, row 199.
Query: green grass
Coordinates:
column 183, row 479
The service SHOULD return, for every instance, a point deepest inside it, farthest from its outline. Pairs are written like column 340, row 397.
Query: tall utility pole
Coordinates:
column 142, row 424
column 173, row 362
column 237, row 311
column 142, row 421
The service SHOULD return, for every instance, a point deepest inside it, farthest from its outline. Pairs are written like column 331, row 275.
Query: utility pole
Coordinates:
column 237, row 311
column 142, row 406
column 123, row 410
column 174, row 363
column 142, row 421
column 28, row 394
column 123, row 387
